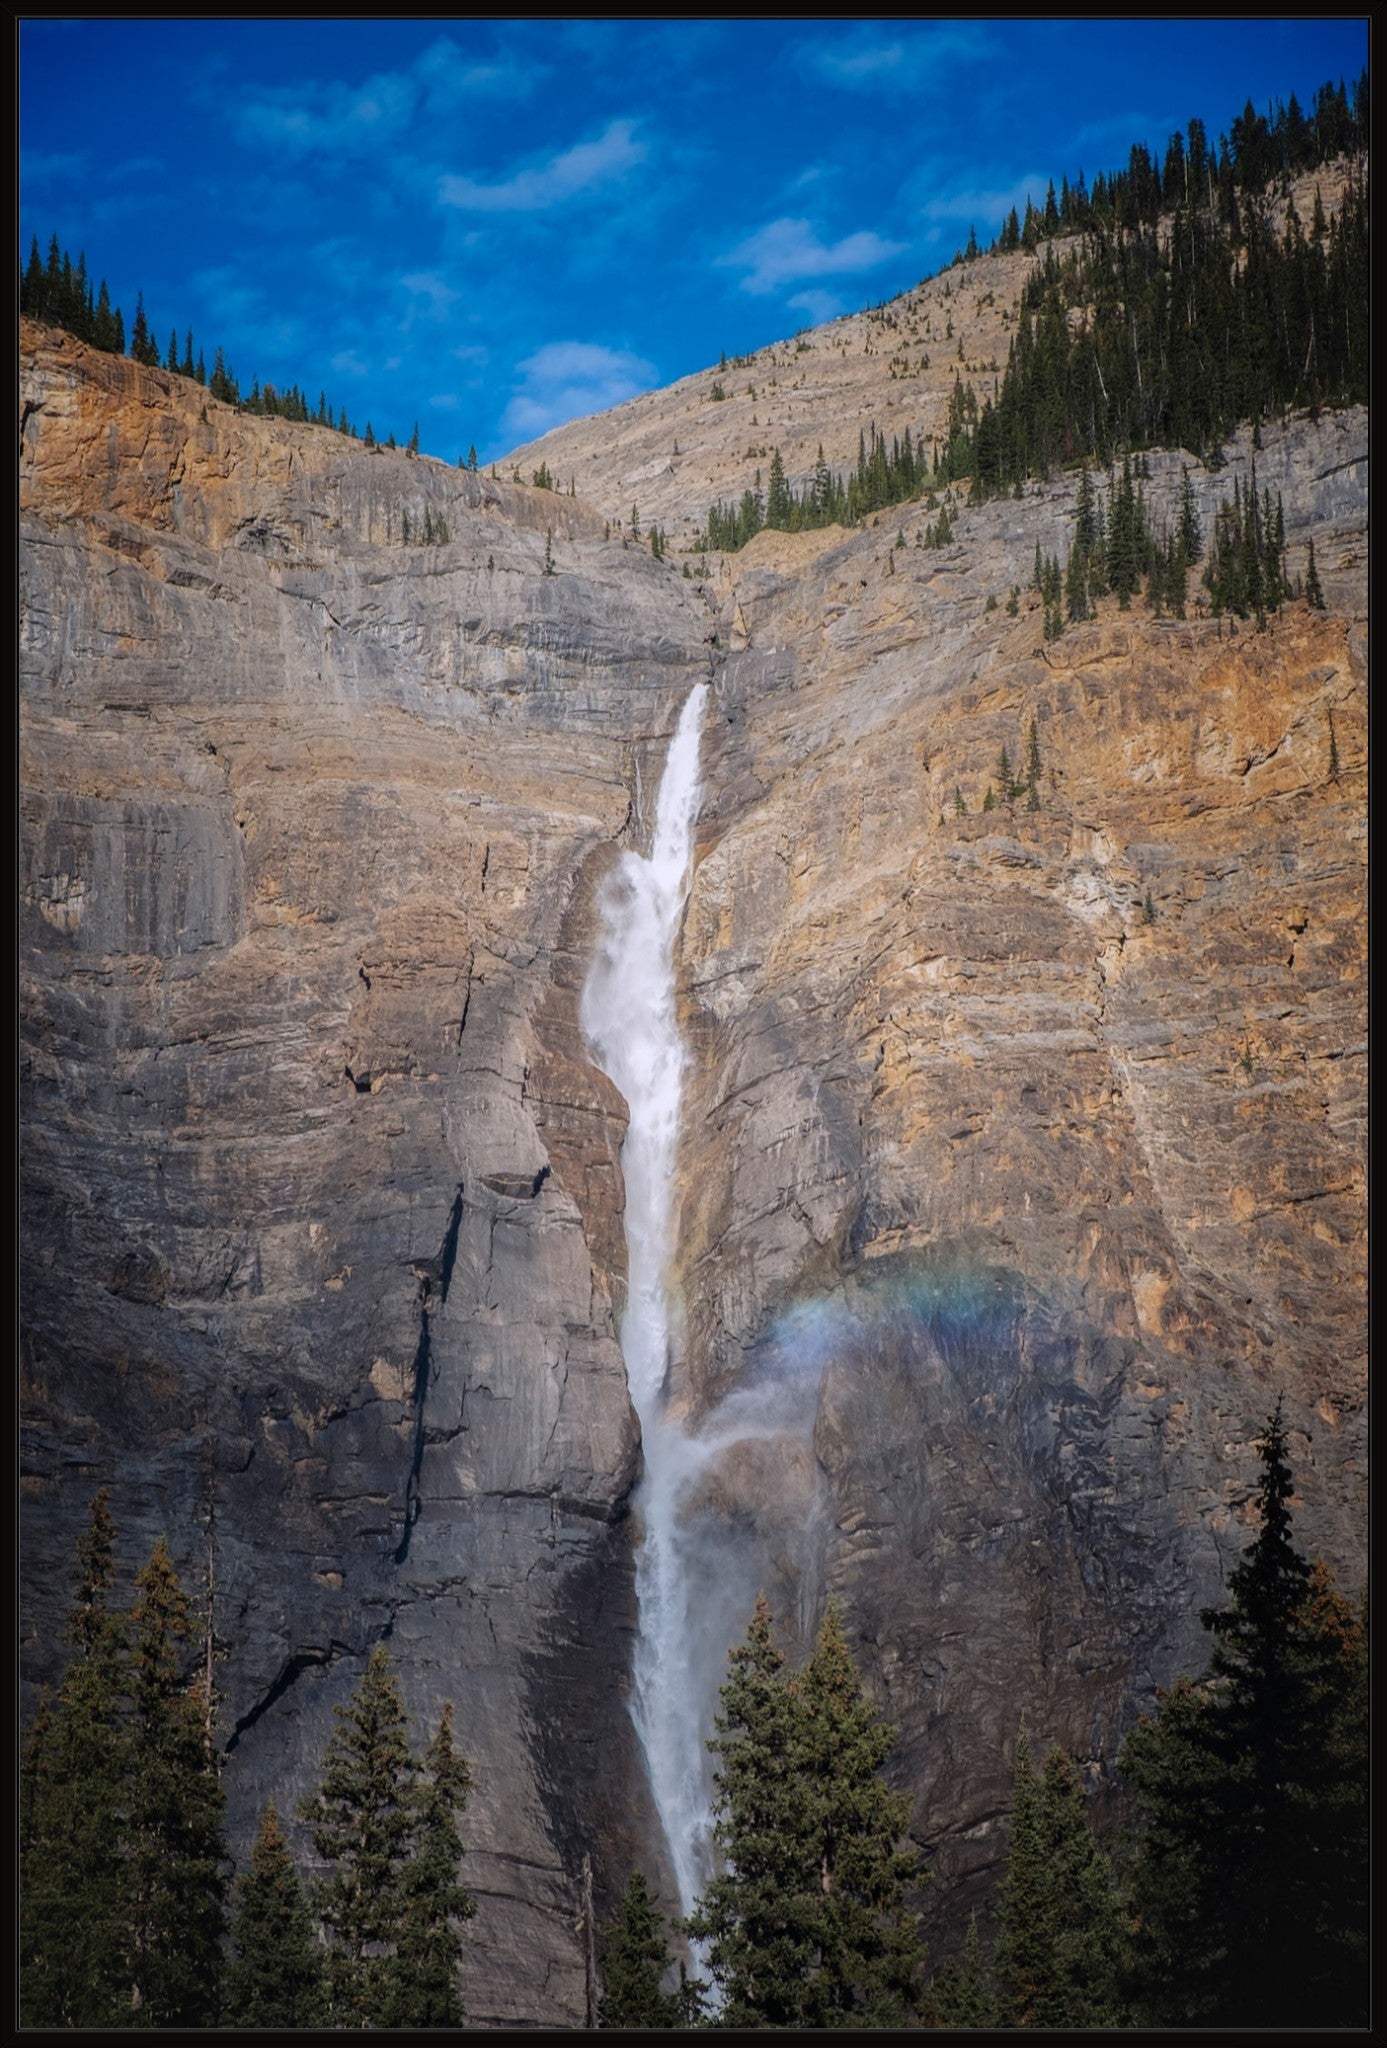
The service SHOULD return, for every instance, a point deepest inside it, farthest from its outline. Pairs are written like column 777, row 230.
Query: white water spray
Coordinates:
column 628, row 1013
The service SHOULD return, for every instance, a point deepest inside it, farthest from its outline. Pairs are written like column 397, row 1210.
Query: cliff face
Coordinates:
column 309, row 820
column 1024, row 1204
column 1048, row 1123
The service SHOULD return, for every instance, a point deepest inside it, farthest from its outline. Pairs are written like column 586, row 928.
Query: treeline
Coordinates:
column 1187, row 304
column 1236, row 1894
column 62, row 293
column 1191, row 298
column 884, row 475
column 128, row 1913
column 1258, row 150
column 1172, row 335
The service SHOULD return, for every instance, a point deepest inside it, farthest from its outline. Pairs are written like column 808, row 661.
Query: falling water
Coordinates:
column 628, row 1013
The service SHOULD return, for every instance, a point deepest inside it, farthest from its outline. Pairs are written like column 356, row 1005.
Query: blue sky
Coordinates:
column 494, row 226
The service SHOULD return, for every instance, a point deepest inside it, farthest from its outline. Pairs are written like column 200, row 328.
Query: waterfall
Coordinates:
column 628, row 1014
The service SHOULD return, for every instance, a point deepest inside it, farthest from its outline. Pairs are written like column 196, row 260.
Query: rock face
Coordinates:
column 1046, row 1124
column 309, row 824
column 1033, row 1197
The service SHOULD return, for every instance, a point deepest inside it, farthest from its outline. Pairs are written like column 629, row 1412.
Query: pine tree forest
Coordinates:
column 1174, row 301
column 1241, row 1841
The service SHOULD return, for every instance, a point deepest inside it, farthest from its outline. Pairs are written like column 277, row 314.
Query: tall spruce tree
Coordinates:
column 121, row 1842
column 1061, row 1951
column 635, row 1962
column 1314, row 592
column 73, row 1942
column 807, row 1925
column 275, row 1978
column 757, row 1915
column 1249, row 1889
column 175, row 1870
column 424, row 1988
column 869, row 1952
column 1023, row 1952
column 362, row 1819
column 964, row 1993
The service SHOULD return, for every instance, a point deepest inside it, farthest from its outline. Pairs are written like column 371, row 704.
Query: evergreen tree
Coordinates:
column 72, row 1925
column 1060, row 1953
column 807, row 1924
column 276, row 1976
column 1191, row 538
column 143, row 347
column 104, row 324
column 174, row 1880
column 362, row 1819
column 122, row 1855
column 31, row 295
column 424, row 1983
column 1124, row 554
column 635, row 1962
column 964, row 1994
column 1024, row 1951
column 778, row 501
column 1252, row 1793
column 1076, row 586
column 757, row 1915
column 869, row 1956
column 1314, row 594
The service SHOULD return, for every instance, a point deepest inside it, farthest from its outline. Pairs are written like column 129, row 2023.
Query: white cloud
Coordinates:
column 228, row 298
column 566, row 175
column 447, row 74
column 565, row 380
column 865, row 61
column 313, row 119
column 329, row 117
column 40, row 168
column 984, row 209
column 820, row 306
column 428, row 287
column 784, row 251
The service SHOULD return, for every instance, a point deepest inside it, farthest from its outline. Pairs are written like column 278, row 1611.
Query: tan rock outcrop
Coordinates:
column 1026, row 1201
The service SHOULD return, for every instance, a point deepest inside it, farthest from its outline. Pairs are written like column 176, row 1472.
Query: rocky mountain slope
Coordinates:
column 674, row 451
column 1022, row 1203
